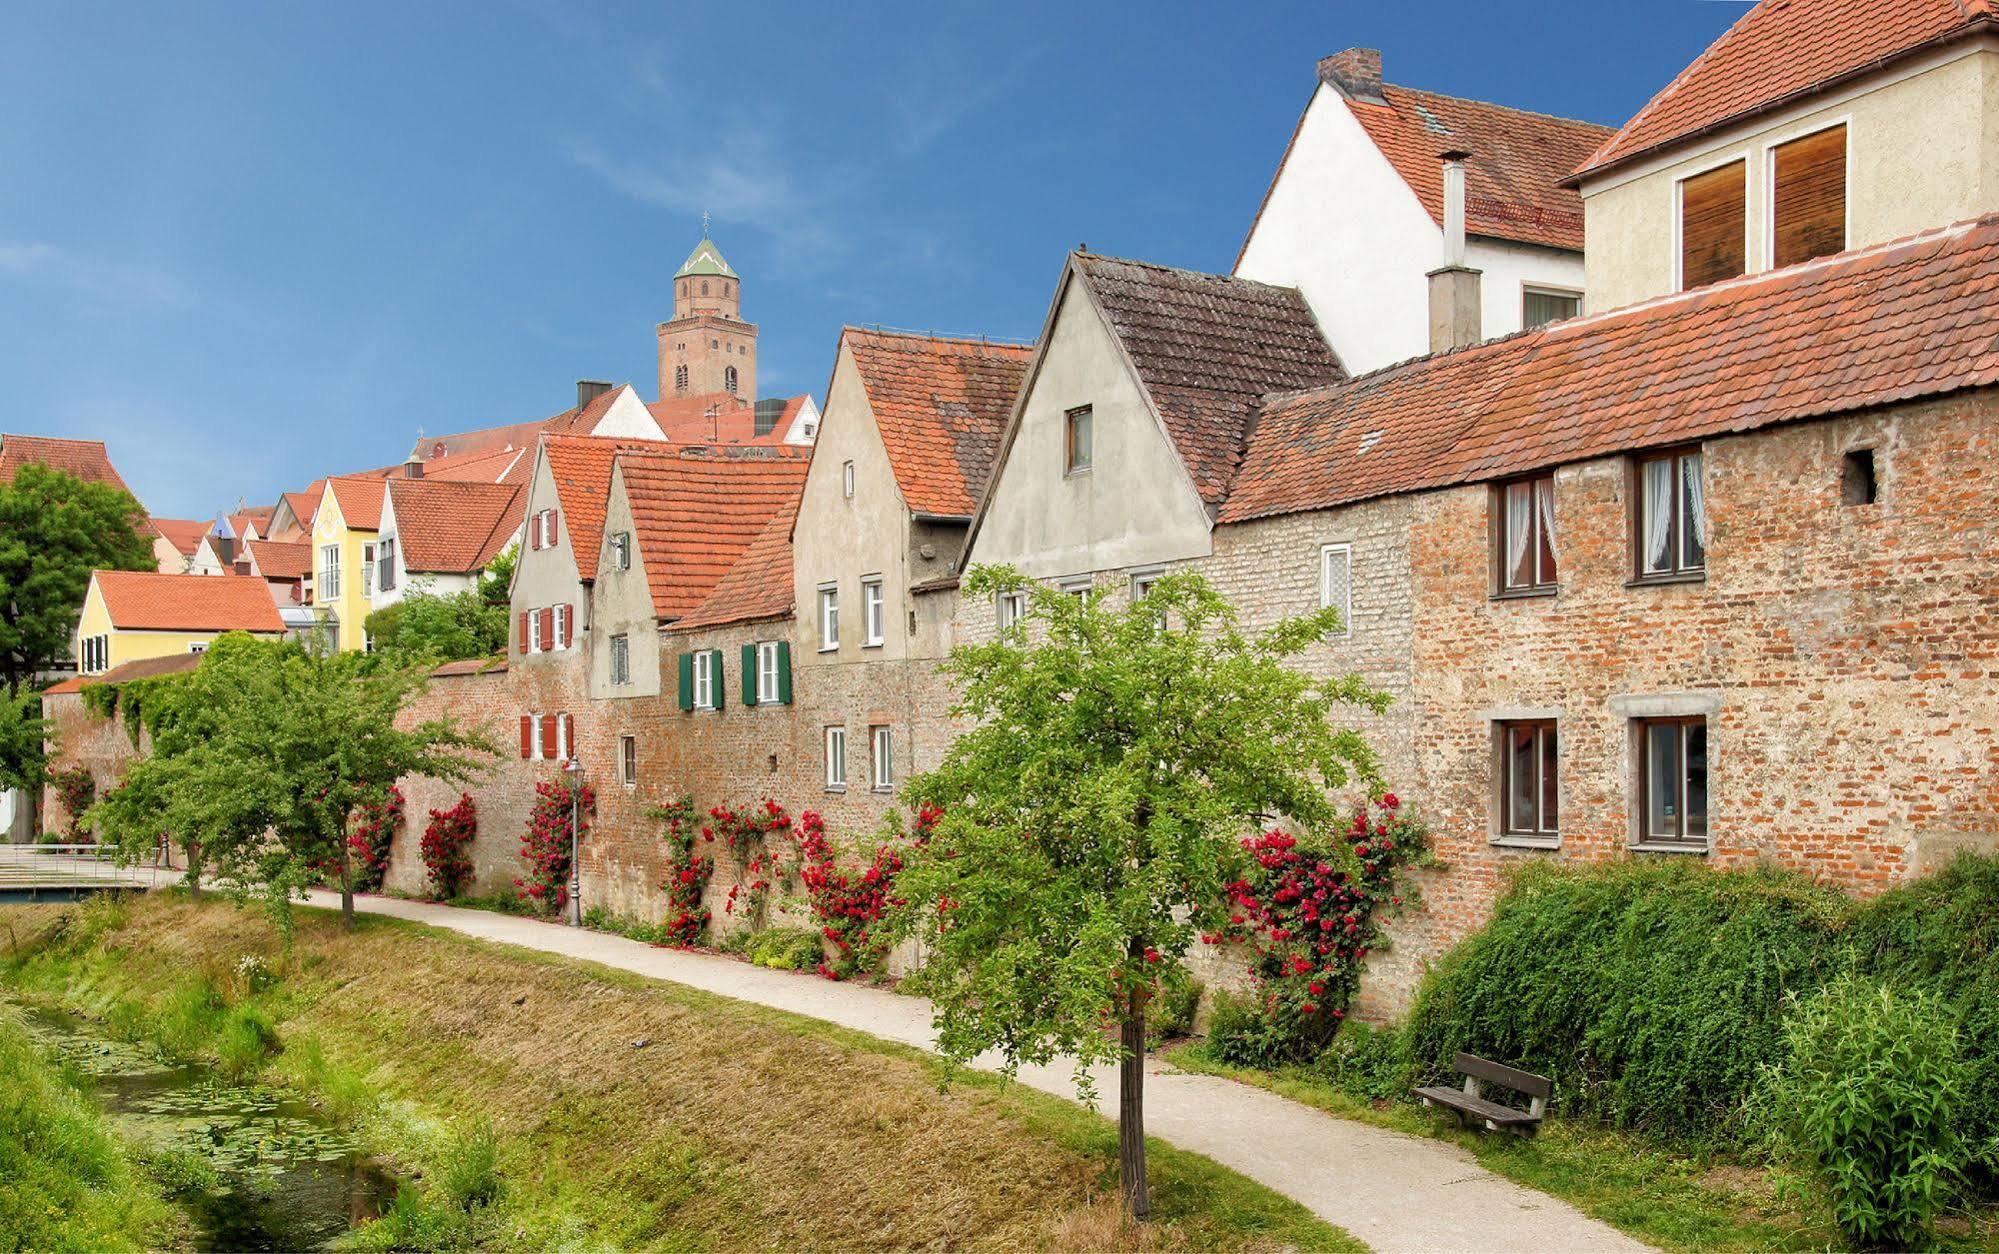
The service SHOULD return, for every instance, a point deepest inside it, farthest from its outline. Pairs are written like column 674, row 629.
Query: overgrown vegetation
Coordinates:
column 620, row 1112
column 65, row 1182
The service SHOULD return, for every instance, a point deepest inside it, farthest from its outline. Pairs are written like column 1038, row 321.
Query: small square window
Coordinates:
column 628, row 760
column 1529, row 792
column 1540, row 306
column 880, row 742
column 1079, row 587
column 836, row 759
column 1077, row 436
column 1857, row 482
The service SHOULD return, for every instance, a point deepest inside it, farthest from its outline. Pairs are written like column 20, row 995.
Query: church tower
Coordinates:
column 707, row 347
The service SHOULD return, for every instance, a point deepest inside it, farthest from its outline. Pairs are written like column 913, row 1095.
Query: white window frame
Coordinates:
column 328, row 587
column 534, row 631
column 1142, row 581
column 621, row 659
column 534, row 737
column 628, row 761
column 766, row 671
column 621, row 550
column 561, row 737
column 847, row 479
column 367, row 568
column 835, row 742
column 198, row 646
column 881, row 758
column 1549, row 289
column 1344, row 550
column 704, row 679
column 1078, row 586
column 1749, row 172
column 557, row 622
column 1009, row 608
column 829, row 617
column 874, row 612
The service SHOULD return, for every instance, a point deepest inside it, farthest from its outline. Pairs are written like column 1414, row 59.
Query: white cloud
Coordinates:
column 93, row 279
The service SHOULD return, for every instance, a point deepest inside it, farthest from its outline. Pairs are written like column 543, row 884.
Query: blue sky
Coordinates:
column 251, row 244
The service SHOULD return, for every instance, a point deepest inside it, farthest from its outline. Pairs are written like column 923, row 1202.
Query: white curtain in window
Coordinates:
column 1658, row 490
column 1544, row 506
column 1519, row 530
column 1696, row 511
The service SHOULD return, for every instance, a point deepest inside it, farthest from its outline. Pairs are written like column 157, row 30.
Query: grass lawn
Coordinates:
column 1674, row 1197
column 66, row 1183
column 536, row 1101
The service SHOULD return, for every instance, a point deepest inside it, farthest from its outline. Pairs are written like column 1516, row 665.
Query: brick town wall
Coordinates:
column 1851, row 652
column 81, row 738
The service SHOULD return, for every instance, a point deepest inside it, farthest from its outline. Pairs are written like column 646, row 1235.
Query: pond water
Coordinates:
column 287, row 1179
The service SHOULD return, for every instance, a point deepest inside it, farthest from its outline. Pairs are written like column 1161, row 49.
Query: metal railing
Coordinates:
column 49, row 866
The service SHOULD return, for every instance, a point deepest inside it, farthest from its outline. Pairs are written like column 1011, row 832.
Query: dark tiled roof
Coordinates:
column 1206, row 348
column 941, row 406
column 1782, row 48
column 1883, row 325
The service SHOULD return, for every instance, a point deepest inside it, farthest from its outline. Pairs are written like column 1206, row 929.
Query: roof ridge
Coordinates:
column 935, row 337
column 1494, row 104
column 1199, row 274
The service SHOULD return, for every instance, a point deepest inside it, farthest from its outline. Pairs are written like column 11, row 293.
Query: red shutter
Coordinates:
column 548, row 735
column 568, row 625
column 554, row 527
column 527, row 735
column 524, row 631
column 569, row 733
column 1713, row 226
column 548, row 628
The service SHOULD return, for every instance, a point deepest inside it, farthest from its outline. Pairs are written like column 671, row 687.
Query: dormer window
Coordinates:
column 1808, row 197
column 1713, row 226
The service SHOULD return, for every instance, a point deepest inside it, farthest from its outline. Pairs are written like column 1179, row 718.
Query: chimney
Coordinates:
column 1355, row 74
column 1454, row 286
column 588, row 390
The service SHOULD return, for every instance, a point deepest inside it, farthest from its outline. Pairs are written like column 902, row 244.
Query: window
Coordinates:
column 729, row 379
column 872, row 625
column 884, row 771
column 680, row 377
column 94, row 655
column 704, row 679
column 1857, row 484
column 767, row 672
column 1336, row 583
column 836, row 759
column 847, row 479
column 829, row 618
column 621, row 550
column 559, row 638
column 367, row 569
column 543, row 531
column 533, row 632
column 628, row 760
column 621, row 659
column 1524, row 517
column 1672, row 782
column 329, row 572
column 1808, row 197
column 1672, row 516
column 1539, row 306
column 385, row 570
column 1713, row 226
column 1076, row 442
column 1529, row 796
column 1010, row 608
column 1078, row 587
column 199, row 646
column 1141, row 583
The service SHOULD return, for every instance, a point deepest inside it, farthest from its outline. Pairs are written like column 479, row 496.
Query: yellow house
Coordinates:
column 343, row 555
column 133, row 614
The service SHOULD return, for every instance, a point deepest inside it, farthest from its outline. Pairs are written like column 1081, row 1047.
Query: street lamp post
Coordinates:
column 574, row 769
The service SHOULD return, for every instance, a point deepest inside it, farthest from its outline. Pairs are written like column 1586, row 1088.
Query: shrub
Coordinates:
column 446, row 839
column 1865, row 1095
column 1652, row 991
column 1370, row 1063
column 687, row 872
column 75, row 788
column 1175, row 1002
column 372, row 837
column 1240, row 1033
column 785, row 948
column 470, row 1175
column 545, row 843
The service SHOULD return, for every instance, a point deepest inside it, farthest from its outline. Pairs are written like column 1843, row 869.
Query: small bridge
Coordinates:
column 30, row 873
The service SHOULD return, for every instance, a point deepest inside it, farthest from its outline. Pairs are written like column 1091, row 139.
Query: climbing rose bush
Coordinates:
column 371, row 837
column 687, row 872
column 545, row 844
column 76, row 788
column 746, row 833
column 446, row 838
column 1309, row 917
column 849, row 904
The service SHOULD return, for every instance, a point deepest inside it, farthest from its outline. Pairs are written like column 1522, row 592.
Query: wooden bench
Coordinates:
column 1471, row 1106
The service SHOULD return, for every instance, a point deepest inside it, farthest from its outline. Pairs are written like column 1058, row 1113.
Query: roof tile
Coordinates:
column 86, row 459
column 695, row 514
column 941, row 405
column 448, row 526
column 149, row 601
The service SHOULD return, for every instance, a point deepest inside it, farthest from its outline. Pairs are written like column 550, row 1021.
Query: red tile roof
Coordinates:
column 444, row 526
column 1207, row 347
column 360, row 501
column 1878, row 326
column 471, row 666
column 758, row 586
column 941, row 405
column 73, row 684
column 581, row 468
column 695, row 514
column 86, row 459
column 149, row 601
column 276, row 560
column 305, row 505
column 185, row 534
column 688, row 419
column 143, row 668
column 258, row 518
column 1782, row 49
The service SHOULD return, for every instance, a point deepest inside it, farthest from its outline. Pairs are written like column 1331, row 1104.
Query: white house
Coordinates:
column 438, row 535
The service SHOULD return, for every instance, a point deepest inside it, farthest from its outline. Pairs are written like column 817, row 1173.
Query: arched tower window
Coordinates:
column 704, row 287
column 680, row 378
column 729, row 378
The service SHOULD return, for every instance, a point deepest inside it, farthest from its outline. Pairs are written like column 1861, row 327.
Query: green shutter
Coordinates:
column 784, row 672
column 716, row 676
column 687, row 681
column 749, row 674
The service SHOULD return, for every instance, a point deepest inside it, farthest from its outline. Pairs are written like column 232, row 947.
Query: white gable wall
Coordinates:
column 628, row 419
column 1135, row 507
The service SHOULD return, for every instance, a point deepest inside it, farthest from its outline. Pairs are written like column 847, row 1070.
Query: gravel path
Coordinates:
column 1401, row 1194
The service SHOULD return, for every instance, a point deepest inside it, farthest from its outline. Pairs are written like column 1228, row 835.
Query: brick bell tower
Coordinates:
column 707, row 348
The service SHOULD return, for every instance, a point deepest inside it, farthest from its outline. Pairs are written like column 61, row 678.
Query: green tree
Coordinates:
column 496, row 582
column 1092, row 816
column 268, row 753
column 54, row 530
column 429, row 627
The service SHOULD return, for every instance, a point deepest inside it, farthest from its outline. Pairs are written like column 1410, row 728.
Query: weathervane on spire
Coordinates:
column 704, row 224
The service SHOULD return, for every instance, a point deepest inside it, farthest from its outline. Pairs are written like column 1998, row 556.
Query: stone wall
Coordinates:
column 80, row 737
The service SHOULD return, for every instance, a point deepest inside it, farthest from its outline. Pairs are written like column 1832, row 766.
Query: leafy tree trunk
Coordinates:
column 193, row 868
column 1131, row 1100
